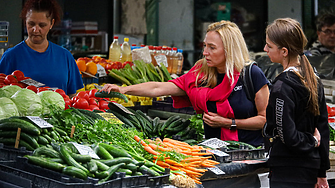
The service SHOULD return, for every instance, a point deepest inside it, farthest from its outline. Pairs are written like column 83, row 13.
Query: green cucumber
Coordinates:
column 14, row 124
column 127, row 171
column 92, row 166
column 11, row 142
column 103, row 153
column 131, row 167
column 81, row 158
column 23, row 136
column 101, row 165
column 92, row 115
column 43, row 150
column 54, row 135
column 102, row 174
column 115, row 161
column 60, row 132
column 45, row 163
column 115, row 151
column 145, row 169
column 111, row 170
column 123, row 119
column 75, row 172
column 169, row 121
column 65, row 155
column 111, row 94
column 47, row 137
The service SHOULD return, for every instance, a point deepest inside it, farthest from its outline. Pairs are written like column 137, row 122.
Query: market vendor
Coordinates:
column 215, row 88
column 39, row 58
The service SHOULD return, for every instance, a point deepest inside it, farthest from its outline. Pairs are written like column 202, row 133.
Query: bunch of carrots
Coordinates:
column 195, row 158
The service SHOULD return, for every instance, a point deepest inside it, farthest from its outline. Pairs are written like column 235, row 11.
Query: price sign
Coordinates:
column 32, row 82
column 120, row 106
column 332, row 125
column 214, row 143
column 217, row 171
column 85, row 150
column 109, row 116
column 40, row 122
column 101, row 71
column 219, row 153
column 161, row 59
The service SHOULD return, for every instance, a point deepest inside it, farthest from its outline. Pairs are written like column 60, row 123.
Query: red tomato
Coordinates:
column 33, row 88
column 94, row 107
column 3, row 75
column 331, row 112
column 83, row 94
column 40, row 89
column 74, row 99
column 127, row 62
column 118, row 64
column 67, row 103
column 61, row 92
column 103, row 105
column 18, row 74
column 92, row 93
column 92, row 101
column 81, row 103
column 22, row 85
column 10, row 79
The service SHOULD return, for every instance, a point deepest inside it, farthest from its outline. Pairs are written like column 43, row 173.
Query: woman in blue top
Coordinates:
column 39, row 58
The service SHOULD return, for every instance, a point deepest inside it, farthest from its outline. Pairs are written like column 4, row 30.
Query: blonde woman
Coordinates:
column 297, row 118
column 215, row 88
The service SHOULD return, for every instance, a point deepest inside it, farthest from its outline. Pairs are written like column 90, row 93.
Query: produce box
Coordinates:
column 10, row 153
column 41, row 177
column 167, row 105
column 115, row 182
column 135, row 181
column 246, row 154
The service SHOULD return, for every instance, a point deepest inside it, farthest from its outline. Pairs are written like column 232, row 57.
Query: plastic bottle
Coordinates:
column 133, row 46
column 65, row 38
column 180, row 60
column 170, row 55
column 125, row 51
column 174, row 60
column 160, row 56
column 115, row 50
column 152, row 52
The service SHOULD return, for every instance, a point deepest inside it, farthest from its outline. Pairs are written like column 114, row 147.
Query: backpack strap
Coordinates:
column 248, row 83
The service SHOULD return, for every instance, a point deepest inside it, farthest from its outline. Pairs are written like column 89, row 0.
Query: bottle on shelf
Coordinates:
column 125, row 51
column 160, row 56
column 170, row 57
column 115, row 50
column 152, row 52
column 174, row 61
column 180, row 60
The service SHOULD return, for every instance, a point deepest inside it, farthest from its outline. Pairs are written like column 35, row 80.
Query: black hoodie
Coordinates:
column 293, row 126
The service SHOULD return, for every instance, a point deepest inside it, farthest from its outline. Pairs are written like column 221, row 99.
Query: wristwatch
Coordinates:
column 316, row 141
column 233, row 125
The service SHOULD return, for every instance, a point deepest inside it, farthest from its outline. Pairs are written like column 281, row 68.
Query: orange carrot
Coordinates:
column 200, row 170
column 161, row 163
column 195, row 158
column 190, row 172
column 174, row 168
column 150, row 150
column 156, row 147
column 165, row 157
column 138, row 139
column 172, row 162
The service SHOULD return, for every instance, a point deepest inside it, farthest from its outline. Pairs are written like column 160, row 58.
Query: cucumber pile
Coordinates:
column 31, row 136
column 66, row 159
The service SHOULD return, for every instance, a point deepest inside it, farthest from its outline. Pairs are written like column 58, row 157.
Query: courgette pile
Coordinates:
column 66, row 159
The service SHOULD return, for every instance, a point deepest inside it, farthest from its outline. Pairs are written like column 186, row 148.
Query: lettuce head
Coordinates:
column 8, row 91
column 7, row 108
column 27, row 102
column 51, row 99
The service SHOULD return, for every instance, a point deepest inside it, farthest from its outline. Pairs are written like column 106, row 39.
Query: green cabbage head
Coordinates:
column 51, row 99
column 8, row 91
column 27, row 102
column 7, row 108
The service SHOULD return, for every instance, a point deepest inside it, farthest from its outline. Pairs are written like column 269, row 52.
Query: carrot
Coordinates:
column 150, row 150
column 165, row 157
column 156, row 147
column 172, row 162
column 161, row 163
column 200, row 170
column 174, row 168
column 138, row 139
column 203, row 164
column 190, row 172
column 195, row 158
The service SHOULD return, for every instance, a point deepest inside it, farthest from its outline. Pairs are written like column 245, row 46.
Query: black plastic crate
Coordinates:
column 158, row 180
column 134, row 181
column 10, row 153
column 246, row 154
column 167, row 105
column 115, row 182
column 41, row 177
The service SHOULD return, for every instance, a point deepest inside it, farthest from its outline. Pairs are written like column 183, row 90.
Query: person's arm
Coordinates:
column 148, row 89
column 252, row 123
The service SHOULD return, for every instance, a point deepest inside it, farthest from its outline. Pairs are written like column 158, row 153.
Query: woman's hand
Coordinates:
column 111, row 87
column 215, row 120
column 321, row 183
column 317, row 135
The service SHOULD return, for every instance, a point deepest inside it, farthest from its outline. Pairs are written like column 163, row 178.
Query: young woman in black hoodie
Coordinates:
column 297, row 118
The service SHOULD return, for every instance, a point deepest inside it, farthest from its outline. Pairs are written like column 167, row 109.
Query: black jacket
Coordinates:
column 293, row 126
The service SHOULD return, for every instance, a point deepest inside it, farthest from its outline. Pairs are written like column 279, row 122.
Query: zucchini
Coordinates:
column 178, row 126
column 65, row 155
column 75, row 172
column 137, row 174
column 11, row 142
column 14, row 124
column 111, row 94
column 45, row 163
column 115, row 151
column 115, row 161
column 145, row 119
column 43, row 150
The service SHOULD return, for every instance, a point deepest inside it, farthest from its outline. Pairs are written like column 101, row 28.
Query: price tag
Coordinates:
column 120, row 106
column 219, row 153
column 40, row 122
column 32, row 82
column 85, row 150
column 214, row 143
column 217, row 171
column 101, row 71
column 161, row 59
column 332, row 125
column 109, row 116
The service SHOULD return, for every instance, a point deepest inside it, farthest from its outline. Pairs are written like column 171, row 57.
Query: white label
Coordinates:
column 217, row 171
column 85, row 150
column 40, row 122
column 32, row 82
column 332, row 125
column 214, row 143
column 219, row 153
column 161, row 59
column 101, row 71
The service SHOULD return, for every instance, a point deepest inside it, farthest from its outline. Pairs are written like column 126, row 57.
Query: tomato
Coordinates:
column 103, row 105
column 10, row 79
column 61, row 92
column 2, row 85
column 40, row 89
column 94, row 107
column 91, row 94
column 3, row 75
column 81, row 103
column 331, row 112
column 21, row 85
column 92, row 101
column 118, row 64
column 18, row 74
column 127, row 62
column 83, row 94
column 67, row 103
column 33, row 88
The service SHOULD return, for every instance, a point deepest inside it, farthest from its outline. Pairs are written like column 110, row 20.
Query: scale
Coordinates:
column 4, row 25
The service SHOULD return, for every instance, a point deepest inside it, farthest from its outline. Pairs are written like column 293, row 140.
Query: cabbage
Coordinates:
column 51, row 99
column 8, row 91
column 7, row 108
column 27, row 102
